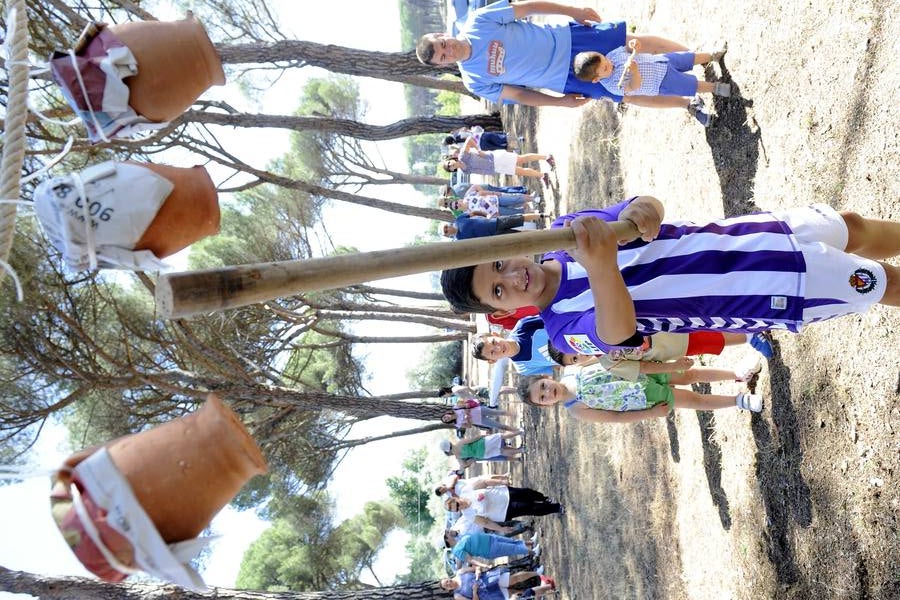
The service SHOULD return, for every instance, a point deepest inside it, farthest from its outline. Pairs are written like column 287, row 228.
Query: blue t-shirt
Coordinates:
column 488, row 585
column 468, row 227
column 472, row 544
column 508, row 51
column 742, row 274
column 532, row 358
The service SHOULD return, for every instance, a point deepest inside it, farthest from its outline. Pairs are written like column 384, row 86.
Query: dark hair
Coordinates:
column 446, row 166
column 556, row 355
column 425, row 49
column 449, row 140
column 523, row 391
column 478, row 347
column 439, row 491
column 457, row 287
column 452, row 416
column 584, row 65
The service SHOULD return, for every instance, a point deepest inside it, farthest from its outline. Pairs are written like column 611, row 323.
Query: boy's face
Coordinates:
column 576, row 359
column 512, row 283
column 546, row 391
column 447, row 49
column 496, row 347
column 602, row 69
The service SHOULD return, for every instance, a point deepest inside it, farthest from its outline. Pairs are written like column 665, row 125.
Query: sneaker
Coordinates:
column 751, row 402
column 539, row 570
column 748, row 368
column 551, row 161
column 722, row 89
column 548, row 581
column 762, row 343
column 536, row 550
column 696, row 110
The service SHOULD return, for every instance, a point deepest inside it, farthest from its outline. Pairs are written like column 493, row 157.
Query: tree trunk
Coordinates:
column 76, row 588
column 386, row 339
column 347, row 127
column 377, row 291
column 358, row 406
column 440, row 323
column 403, row 67
column 347, row 444
column 324, row 192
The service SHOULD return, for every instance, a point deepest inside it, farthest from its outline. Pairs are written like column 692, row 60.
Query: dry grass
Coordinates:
column 804, row 500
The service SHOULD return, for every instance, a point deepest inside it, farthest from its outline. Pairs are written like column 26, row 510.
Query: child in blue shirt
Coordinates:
column 651, row 75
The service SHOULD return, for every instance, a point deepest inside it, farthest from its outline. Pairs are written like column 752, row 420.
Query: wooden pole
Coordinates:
column 194, row 292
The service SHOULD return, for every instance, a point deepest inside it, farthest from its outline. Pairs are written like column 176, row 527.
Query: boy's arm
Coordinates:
column 594, row 415
column 528, row 97
column 635, row 82
column 526, row 8
column 614, row 316
column 680, row 364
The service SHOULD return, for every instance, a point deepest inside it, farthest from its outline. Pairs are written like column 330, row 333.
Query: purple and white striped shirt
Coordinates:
column 741, row 274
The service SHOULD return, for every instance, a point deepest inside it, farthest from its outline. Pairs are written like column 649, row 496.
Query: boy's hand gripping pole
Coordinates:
column 189, row 293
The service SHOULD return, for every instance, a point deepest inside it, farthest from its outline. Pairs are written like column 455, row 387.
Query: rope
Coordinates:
column 16, row 116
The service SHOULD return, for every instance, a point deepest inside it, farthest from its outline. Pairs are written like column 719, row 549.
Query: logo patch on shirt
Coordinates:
column 582, row 344
column 496, row 56
column 863, row 281
column 779, row 302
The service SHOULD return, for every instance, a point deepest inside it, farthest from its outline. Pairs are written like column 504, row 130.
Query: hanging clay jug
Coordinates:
column 189, row 213
column 177, row 62
column 184, row 471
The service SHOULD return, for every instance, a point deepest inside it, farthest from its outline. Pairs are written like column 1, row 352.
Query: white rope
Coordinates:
column 89, row 238
column 16, row 48
column 87, row 99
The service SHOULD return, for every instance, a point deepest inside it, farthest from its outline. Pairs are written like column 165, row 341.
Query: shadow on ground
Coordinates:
column 785, row 494
column 735, row 140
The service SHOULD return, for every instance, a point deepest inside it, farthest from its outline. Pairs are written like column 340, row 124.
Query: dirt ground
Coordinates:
column 802, row 501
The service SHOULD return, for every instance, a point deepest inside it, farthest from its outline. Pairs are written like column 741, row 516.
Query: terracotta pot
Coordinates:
column 190, row 213
column 177, row 62
column 184, row 471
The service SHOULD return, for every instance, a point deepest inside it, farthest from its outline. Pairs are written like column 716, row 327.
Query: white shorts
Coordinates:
column 837, row 283
column 505, row 162
column 492, row 445
column 503, row 580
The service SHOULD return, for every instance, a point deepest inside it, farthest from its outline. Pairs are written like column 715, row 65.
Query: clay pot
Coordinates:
column 177, row 62
column 184, row 471
column 190, row 213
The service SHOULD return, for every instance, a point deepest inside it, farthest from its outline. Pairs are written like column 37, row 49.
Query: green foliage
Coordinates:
column 410, row 492
column 302, row 551
column 439, row 365
column 448, row 103
column 425, row 562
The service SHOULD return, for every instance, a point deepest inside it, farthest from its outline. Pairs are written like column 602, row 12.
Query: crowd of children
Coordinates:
column 483, row 210
column 484, row 513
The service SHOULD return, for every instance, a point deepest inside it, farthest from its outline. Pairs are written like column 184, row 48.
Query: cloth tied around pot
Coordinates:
column 91, row 78
column 106, row 527
column 96, row 218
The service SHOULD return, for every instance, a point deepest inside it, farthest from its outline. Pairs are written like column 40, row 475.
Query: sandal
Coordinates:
column 548, row 581
column 551, row 161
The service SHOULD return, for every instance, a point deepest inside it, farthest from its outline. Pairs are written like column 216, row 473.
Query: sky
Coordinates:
column 24, row 511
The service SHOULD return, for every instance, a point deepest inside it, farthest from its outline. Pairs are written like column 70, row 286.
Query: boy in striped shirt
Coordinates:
column 764, row 271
